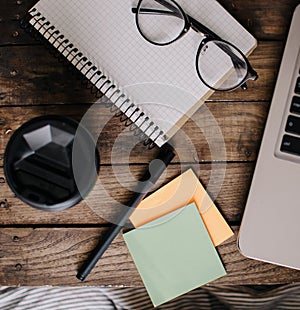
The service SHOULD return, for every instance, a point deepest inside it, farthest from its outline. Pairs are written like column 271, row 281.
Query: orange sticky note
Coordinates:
column 178, row 193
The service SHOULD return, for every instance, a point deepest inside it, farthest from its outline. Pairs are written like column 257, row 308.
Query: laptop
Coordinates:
column 270, row 228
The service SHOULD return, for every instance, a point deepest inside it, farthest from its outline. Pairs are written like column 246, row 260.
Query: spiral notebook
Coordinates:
column 155, row 87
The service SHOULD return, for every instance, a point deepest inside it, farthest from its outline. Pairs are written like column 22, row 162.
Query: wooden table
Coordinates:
column 39, row 248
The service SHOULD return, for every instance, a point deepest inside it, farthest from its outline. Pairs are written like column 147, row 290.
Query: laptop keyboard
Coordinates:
column 291, row 139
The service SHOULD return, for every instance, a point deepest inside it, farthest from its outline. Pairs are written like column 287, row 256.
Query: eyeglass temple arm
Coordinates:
column 168, row 5
column 155, row 11
column 173, row 10
column 198, row 27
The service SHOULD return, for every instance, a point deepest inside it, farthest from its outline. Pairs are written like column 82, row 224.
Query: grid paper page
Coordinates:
column 161, row 80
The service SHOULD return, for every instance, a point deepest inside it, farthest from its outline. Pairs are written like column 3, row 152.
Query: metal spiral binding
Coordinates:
column 67, row 53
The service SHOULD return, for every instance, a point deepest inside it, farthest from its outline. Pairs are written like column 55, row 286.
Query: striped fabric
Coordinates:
column 103, row 298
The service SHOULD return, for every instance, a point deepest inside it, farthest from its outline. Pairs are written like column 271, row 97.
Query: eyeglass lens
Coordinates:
column 218, row 59
column 160, row 22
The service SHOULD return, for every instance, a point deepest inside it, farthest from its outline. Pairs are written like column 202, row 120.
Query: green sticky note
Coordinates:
column 174, row 254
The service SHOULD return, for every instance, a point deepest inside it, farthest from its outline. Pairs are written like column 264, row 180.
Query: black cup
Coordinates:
column 40, row 159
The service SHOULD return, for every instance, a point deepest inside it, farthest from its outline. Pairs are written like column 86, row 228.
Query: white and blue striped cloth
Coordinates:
column 286, row 297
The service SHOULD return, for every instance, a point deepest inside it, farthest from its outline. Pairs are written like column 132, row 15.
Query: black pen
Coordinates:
column 156, row 168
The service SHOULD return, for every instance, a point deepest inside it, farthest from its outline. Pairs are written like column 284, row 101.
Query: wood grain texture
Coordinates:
column 234, row 127
column 52, row 256
column 26, row 81
column 11, row 13
column 39, row 248
column 264, row 19
column 101, row 204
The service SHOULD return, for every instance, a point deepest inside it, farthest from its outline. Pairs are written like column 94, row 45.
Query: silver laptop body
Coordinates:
column 270, row 229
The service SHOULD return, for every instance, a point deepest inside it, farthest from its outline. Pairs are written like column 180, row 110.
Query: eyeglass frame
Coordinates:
column 209, row 35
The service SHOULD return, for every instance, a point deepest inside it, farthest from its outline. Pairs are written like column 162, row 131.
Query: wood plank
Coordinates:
column 47, row 248
column 264, row 19
column 11, row 14
column 229, row 192
column 234, row 127
column 52, row 256
column 263, row 22
column 31, row 75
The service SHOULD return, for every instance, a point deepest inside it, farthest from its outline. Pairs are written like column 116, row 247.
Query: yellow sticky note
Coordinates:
column 178, row 193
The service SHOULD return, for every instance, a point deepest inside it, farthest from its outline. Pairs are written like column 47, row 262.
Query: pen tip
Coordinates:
column 80, row 277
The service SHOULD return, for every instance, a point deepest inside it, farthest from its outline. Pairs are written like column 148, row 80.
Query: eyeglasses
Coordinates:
column 220, row 65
